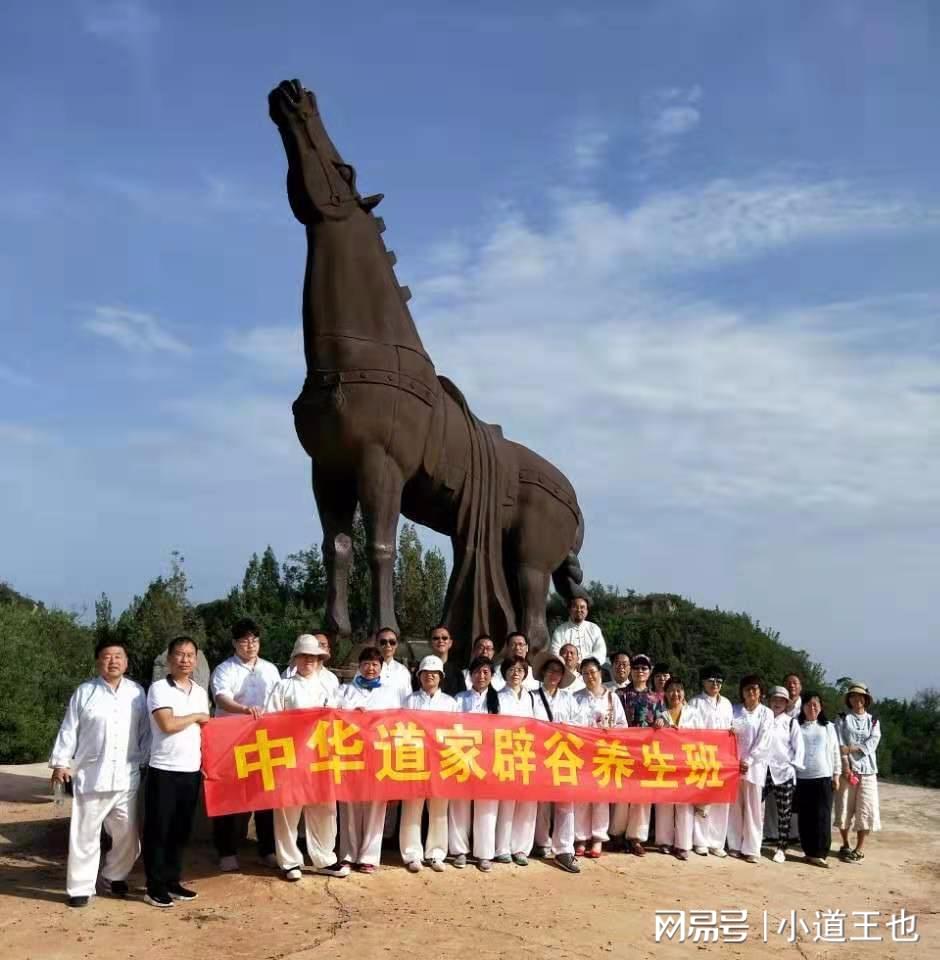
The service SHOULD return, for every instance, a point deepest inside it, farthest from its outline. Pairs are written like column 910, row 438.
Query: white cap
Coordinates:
column 308, row 644
column 778, row 692
column 431, row 664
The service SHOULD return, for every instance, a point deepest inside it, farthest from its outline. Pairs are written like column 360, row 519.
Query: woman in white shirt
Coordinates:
column 515, row 822
column 479, row 698
column 554, row 824
column 360, row 843
column 786, row 757
column 305, row 689
column 817, row 780
column 413, row 851
column 674, row 821
column 596, row 707
column 753, row 728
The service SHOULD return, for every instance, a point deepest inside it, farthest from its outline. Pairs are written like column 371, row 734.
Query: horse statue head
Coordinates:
column 320, row 184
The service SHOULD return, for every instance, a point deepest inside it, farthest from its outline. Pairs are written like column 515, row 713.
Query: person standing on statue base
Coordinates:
column 578, row 630
column 102, row 743
column 178, row 708
column 452, row 681
column 241, row 686
column 394, row 673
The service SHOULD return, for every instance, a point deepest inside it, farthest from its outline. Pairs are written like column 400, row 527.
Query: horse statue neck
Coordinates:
column 351, row 294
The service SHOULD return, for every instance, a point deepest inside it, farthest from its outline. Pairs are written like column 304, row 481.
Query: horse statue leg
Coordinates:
column 380, row 485
column 336, row 503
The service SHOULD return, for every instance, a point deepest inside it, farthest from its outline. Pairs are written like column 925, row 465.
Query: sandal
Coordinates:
column 854, row 856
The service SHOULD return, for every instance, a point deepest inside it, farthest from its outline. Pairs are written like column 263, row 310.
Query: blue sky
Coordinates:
column 685, row 250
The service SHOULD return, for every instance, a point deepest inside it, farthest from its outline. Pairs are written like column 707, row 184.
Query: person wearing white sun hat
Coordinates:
column 786, row 757
column 413, row 852
column 857, row 800
column 304, row 690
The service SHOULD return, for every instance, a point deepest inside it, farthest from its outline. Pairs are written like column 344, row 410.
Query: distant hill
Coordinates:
column 10, row 596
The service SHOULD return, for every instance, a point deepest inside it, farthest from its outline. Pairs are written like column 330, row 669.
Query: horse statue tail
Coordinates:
column 568, row 576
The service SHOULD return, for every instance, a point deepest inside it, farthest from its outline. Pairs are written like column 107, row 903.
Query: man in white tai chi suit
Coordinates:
column 103, row 740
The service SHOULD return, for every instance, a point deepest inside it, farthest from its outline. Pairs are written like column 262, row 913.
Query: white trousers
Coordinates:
column 619, row 813
column 554, row 827
column 591, row 821
column 638, row 822
column 319, row 828
column 483, row 817
column 711, row 831
column 674, row 825
column 746, row 820
column 118, row 812
column 409, row 834
column 515, row 827
column 361, row 826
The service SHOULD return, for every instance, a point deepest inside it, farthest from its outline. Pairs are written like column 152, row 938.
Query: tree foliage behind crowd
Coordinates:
column 287, row 598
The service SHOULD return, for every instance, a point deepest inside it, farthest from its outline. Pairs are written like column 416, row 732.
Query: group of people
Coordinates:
column 790, row 755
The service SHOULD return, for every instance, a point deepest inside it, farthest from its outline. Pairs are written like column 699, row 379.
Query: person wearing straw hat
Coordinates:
column 857, row 800
column 554, row 822
column 304, row 690
column 429, row 696
column 362, row 823
column 482, row 813
column 786, row 757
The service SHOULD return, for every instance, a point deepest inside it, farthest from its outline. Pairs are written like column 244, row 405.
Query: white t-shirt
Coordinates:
column 249, row 686
column 181, row 752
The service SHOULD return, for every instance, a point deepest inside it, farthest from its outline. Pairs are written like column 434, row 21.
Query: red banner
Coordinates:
column 319, row 756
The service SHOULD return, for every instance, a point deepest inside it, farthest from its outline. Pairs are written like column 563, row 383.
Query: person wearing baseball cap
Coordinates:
column 786, row 757
column 429, row 696
column 303, row 690
column 857, row 800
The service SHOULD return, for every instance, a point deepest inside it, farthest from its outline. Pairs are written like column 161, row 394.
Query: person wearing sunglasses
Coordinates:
column 394, row 673
column 240, row 687
column 710, row 830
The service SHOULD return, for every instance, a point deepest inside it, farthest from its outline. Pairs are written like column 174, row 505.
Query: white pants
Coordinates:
column 360, row 839
column 711, row 831
column 409, row 834
column 746, row 820
column 117, row 811
column 558, row 835
column 674, row 825
column 638, row 822
column 483, row 816
column 320, row 830
column 515, row 827
column 591, row 821
column 618, row 819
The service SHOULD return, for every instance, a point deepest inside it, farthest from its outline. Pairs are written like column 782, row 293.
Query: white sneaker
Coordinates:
column 293, row 874
column 270, row 860
column 718, row 852
column 228, row 864
column 701, row 851
column 414, row 866
column 437, row 866
column 338, row 870
column 779, row 856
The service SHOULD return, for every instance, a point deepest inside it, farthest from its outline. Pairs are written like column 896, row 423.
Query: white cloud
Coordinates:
column 136, row 332
column 692, row 402
column 672, row 113
column 128, row 23
column 589, row 147
column 278, row 351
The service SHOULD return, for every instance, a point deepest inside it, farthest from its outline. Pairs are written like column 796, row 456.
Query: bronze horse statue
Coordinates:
column 386, row 433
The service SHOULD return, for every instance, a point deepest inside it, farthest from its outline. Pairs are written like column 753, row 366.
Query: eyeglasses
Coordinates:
column 388, row 643
column 718, row 680
column 441, row 636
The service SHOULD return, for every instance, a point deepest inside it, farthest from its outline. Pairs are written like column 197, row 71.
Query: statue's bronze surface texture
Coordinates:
column 386, row 433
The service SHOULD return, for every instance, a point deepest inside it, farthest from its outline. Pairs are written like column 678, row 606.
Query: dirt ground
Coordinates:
column 609, row 909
